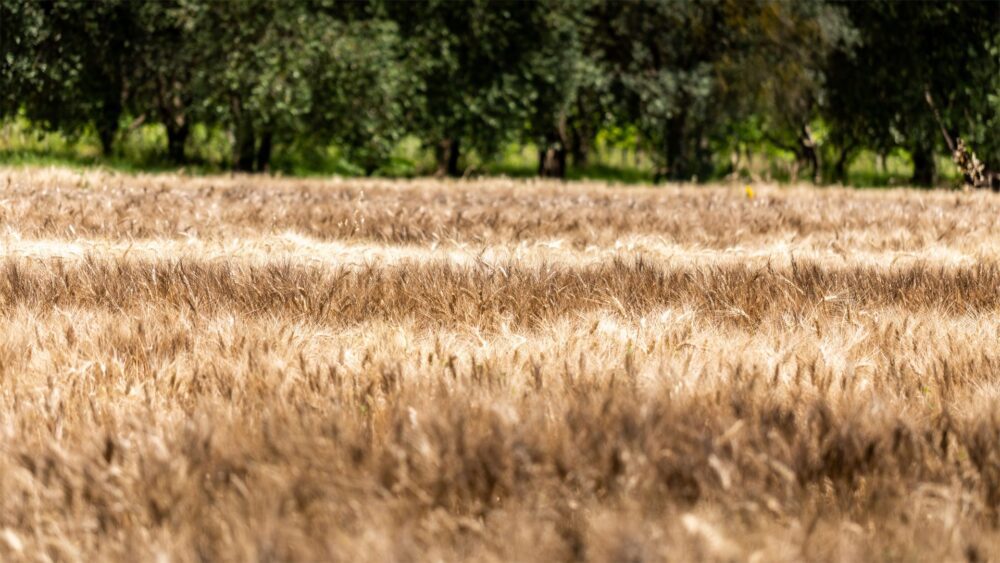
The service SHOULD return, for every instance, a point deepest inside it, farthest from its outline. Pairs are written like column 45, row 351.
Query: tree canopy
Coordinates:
column 697, row 81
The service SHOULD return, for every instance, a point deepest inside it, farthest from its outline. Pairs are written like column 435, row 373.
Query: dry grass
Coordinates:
column 244, row 368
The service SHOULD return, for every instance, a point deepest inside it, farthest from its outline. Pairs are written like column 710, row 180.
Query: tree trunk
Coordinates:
column 702, row 167
column 552, row 162
column 263, row 163
column 580, row 134
column 244, row 147
column 107, row 138
column 807, row 162
column 840, row 167
column 808, row 154
column 552, row 157
column 176, row 138
column 579, row 147
column 106, row 130
column 924, row 168
column 447, row 158
column 677, row 165
column 107, row 125
column 749, row 158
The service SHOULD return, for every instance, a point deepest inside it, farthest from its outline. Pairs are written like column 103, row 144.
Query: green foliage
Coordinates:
column 878, row 90
column 470, row 62
column 980, row 127
column 66, row 62
column 364, row 91
column 661, row 58
column 168, row 63
column 698, row 77
column 690, row 89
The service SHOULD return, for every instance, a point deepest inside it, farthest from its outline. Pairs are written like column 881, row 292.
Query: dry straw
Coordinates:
column 242, row 368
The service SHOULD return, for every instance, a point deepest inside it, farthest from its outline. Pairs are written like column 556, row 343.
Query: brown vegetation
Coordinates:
column 236, row 368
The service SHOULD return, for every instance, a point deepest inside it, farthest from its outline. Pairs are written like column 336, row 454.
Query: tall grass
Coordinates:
column 233, row 368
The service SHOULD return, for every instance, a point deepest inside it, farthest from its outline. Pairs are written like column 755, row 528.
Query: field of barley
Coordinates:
column 244, row 368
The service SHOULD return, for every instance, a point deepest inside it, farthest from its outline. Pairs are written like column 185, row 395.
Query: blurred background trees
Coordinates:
column 908, row 56
column 693, row 90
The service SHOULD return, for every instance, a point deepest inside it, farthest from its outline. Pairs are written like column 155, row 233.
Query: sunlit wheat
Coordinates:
column 235, row 368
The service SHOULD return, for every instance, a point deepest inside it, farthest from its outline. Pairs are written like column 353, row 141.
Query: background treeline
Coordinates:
column 697, row 89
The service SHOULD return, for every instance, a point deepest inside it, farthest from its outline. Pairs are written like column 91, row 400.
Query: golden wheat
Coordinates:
column 237, row 368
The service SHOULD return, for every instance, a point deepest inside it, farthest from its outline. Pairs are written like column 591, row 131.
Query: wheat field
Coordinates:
column 244, row 368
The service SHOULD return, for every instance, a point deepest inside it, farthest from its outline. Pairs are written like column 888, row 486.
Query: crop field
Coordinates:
column 239, row 368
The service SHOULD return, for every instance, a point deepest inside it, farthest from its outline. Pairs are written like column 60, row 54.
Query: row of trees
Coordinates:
column 700, row 81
